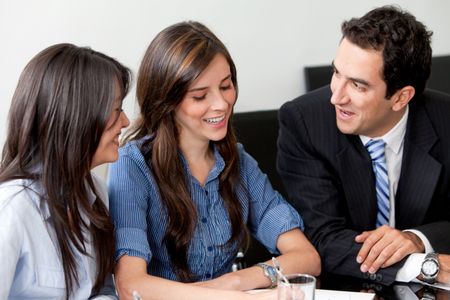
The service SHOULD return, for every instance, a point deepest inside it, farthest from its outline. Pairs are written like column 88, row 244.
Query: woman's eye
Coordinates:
column 226, row 87
column 198, row 98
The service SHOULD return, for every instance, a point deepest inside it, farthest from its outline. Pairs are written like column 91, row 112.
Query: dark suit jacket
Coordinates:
column 328, row 177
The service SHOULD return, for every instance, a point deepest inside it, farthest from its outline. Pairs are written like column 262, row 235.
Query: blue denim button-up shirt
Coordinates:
column 141, row 221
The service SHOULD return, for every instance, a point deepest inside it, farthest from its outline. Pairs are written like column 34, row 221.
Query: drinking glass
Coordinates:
column 300, row 287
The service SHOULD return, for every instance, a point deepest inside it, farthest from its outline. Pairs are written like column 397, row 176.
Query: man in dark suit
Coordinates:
column 366, row 160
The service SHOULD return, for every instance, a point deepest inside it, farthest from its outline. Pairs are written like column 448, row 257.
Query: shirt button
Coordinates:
column 206, row 192
column 210, row 248
column 204, row 220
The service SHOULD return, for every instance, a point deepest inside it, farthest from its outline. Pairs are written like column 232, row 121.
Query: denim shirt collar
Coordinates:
column 219, row 165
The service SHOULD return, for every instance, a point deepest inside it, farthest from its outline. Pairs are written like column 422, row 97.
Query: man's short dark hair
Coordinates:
column 404, row 42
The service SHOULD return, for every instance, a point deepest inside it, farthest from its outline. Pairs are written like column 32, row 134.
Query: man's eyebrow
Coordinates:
column 354, row 79
column 359, row 80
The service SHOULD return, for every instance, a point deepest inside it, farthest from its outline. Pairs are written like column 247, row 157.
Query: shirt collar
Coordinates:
column 394, row 137
column 219, row 164
column 35, row 190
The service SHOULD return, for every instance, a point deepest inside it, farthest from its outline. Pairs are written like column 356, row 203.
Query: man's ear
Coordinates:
column 402, row 97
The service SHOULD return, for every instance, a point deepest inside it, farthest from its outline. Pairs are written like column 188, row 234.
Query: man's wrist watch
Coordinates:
column 430, row 268
column 270, row 272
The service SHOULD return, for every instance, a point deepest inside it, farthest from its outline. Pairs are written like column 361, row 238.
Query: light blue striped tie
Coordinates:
column 376, row 150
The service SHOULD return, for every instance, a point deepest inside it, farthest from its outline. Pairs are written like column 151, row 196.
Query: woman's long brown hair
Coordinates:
column 58, row 113
column 173, row 60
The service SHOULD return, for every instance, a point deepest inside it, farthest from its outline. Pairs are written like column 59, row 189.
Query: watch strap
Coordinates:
column 269, row 272
column 433, row 256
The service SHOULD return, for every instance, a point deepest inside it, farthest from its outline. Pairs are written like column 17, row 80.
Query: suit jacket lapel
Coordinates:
column 354, row 165
column 420, row 171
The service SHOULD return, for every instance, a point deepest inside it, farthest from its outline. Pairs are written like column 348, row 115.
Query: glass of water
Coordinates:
column 298, row 287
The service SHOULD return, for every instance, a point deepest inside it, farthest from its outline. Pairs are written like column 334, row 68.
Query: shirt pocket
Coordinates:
column 50, row 277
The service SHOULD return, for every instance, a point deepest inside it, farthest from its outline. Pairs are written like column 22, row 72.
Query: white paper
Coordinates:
column 342, row 295
column 439, row 286
column 333, row 295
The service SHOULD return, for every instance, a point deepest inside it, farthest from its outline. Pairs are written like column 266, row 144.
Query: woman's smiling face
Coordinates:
column 204, row 112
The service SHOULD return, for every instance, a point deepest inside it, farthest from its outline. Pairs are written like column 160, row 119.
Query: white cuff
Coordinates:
column 423, row 238
column 411, row 268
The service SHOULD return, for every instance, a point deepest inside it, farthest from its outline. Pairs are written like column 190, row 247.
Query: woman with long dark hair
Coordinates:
column 184, row 195
column 56, row 236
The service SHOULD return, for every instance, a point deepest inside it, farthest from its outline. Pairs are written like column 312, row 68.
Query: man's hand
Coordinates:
column 386, row 246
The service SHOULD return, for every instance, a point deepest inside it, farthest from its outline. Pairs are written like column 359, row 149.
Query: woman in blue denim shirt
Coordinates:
column 184, row 195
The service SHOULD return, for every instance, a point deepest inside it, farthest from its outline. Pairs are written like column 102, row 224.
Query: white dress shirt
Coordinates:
column 394, row 153
column 30, row 264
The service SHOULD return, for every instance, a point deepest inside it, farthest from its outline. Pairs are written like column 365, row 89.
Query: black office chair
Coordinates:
column 440, row 74
column 317, row 76
column 258, row 132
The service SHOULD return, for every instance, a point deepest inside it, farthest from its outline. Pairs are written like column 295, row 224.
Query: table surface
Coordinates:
column 394, row 292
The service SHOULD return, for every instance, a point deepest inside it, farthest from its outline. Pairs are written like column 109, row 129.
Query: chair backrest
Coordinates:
column 440, row 74
column 258, row 132
column 317, row 76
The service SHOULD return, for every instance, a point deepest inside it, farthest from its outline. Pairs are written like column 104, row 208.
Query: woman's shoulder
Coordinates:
column 13, row 188
column 134, row 150
column 17, row 195
column 132, row 165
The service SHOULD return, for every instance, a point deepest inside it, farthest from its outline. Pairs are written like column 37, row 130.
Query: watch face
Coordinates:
column 429, row 268
column 271, row 271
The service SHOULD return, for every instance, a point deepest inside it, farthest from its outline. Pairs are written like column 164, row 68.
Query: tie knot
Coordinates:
column 376, row 150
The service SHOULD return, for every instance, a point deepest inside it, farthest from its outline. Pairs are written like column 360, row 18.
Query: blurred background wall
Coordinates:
column 270, row 41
